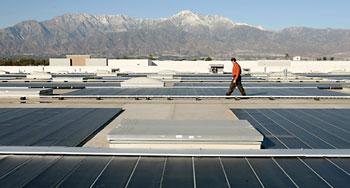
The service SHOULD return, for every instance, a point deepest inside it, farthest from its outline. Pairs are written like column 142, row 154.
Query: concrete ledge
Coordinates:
column 24, row 92
column 63, row 79
column 170, row 97
column 185, row 134
column 198, row 146
column 161, row 76
column 39, row 75
column 112, row 74
column 142, row 82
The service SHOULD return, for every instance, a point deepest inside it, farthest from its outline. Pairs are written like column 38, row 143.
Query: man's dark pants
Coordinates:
column 233, row 86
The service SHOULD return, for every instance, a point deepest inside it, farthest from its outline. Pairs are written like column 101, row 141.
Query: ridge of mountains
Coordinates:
column 185, row 34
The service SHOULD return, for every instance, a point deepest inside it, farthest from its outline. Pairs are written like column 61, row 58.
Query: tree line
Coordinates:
column 23, row 62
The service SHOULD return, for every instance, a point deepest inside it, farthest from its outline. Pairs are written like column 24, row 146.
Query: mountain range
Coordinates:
column 185, row 34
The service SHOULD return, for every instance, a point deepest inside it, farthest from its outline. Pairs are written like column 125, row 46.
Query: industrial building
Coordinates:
column 78, row 60
column 140, row 123
column 85, row 64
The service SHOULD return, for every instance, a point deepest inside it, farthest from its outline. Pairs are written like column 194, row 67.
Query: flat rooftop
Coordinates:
column 307, row 132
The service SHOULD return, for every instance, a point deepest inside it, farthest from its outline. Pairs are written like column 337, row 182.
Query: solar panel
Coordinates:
column 148, row 173
column 54, row 174
column 269, row 173
column 256, row 85
column 59, row 85
column 182, row 167
column 297, row 171
column 87, row 171
column 300, row 128
column 51, row 126
column 216, row 78
column 207, row 91
column 118, row 171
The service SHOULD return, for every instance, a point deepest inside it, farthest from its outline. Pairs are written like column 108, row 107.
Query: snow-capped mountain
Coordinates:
column 183, row 34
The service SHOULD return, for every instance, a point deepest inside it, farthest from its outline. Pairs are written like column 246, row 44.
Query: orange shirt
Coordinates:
column 236, row 71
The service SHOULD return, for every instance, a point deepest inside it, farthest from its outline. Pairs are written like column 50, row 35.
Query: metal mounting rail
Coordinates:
column 57, row 150
column 193, row 97
column 180, row 81
column 267, row 81
column 196, row 87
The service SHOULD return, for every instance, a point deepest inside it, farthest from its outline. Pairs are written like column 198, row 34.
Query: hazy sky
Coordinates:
column 272, row 14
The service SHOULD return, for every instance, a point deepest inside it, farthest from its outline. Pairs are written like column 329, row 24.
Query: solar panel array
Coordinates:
column 51, row 126
column 329, row 76
column 257, row 85
column 282, row 129
column 218, row 78
column 119, row 171
column 207, row 91
column 59, row 85
column 300, row 128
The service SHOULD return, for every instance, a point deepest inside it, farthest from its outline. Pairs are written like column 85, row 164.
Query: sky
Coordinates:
column 271, row 14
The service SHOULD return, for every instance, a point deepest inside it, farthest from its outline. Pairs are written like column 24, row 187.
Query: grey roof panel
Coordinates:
column 185, row 131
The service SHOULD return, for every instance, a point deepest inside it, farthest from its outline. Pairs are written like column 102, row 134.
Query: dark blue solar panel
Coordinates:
column 300, row 173
column 54, row 174
column 86, row 173
column 330, row 173
column 148, row 172
column 178, row 171
column 238, row 177
column 269, row 173
column 117, row 172
column 216, row 78
column 206, row 92
column 124, row 171
column 51, row 126
column 59, row 85
column 257, row 85
column 214, row 177
column 31, row 167
column 300, row 128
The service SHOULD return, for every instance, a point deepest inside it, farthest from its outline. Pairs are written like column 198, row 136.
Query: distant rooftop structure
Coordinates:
column 296, row 58
column 78, row 60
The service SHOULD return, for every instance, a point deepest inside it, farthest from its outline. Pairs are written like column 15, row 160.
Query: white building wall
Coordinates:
column 59, row 62
column 183, row 66
column 96, row 62
column 141, row 66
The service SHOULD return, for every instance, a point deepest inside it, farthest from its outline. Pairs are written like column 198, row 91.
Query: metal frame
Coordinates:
column 193, row 87
column 37, row 150
column 195, row 81
column 193, row 97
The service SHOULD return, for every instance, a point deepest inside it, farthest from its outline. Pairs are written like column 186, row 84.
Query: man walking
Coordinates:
column 236, row 78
